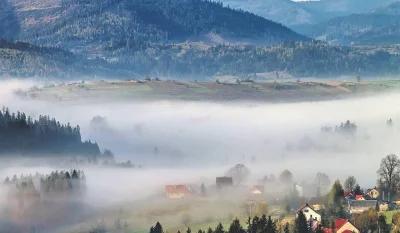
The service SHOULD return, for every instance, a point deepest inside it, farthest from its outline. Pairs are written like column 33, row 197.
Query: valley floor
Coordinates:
column 210, row 91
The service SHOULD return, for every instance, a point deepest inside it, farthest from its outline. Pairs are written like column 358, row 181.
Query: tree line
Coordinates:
column 22, row 135
column 56, row 182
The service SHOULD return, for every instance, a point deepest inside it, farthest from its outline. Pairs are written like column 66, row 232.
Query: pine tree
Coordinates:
column 189, row 230
column 253, row 225
column 219, row 228
column 235, row 227
column 210, row 230
column 301, row 225
column 158, row 228
column 286, row 229
column 271, row 226
column 336, row 195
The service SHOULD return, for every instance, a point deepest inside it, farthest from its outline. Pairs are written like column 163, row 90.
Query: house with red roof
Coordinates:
column 178, row 191
column 360, row 198
column 342, row 226
column 345, row 226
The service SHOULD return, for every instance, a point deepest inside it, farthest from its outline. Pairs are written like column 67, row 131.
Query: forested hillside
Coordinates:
column 25, row 60
column 22, row 135
column 300, row 59
column 110, row 24
column 200, row 61
column 378, row 26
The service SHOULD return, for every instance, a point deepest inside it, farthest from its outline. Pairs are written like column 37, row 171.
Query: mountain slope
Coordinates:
column 135, row 24
column 25, row 60
column 377, row 26
column 295, row 13
column 8, row 20
column 286, row 12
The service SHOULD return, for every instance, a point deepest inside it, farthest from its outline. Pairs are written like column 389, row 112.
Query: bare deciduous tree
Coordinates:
column 389, row 173
column 239, row 173
column 350, row 183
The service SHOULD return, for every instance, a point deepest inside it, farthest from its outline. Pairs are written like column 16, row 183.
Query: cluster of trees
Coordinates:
column 256, row 224
column 347, row 128
column 55, row 182
column 20, row 134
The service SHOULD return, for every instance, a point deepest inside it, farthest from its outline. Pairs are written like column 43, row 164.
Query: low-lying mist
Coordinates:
column 192, row 142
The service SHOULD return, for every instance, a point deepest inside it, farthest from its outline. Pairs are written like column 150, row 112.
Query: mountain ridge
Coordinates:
column 378, row 26
column 136, row 24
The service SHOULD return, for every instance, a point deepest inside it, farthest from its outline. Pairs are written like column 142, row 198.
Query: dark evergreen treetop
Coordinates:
column 21, row 135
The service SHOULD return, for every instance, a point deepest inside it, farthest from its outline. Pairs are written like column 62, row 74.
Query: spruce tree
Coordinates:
column 253, row 225
column 235, row 227
column 158, row 228
column 286, row 229
column 301, row 225
column 262, row 224
column 219, row 228
column 271, row 226
column 189, row 230
column 210, row 230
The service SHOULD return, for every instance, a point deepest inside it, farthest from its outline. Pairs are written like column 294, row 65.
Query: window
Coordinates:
column 305, row 211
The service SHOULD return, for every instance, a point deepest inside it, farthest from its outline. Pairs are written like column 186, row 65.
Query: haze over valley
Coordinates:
column 236, row 116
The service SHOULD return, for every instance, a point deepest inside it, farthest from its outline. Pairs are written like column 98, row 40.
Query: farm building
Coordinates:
column 359, row 206
column 224, row 182
column 178, row 191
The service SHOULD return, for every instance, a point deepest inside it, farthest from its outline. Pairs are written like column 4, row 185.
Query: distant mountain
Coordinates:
column 343, row 7
column 378, row 26
column 94, row 25
column 286, row 12
column 295, row 13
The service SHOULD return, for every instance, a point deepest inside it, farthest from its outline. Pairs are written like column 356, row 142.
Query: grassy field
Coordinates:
column 389, row 215
column 210, row 91
column 203, row 213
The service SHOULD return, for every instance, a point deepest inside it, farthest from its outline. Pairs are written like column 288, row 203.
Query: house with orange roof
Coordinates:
column 178, row 191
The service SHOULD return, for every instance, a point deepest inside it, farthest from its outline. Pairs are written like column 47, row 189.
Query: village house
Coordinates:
column 317, row 203
column 178, row 191
column 342, row 226
column 348, row 196
column 345, row 226
column 373, row 193
column 360, row 198
column 359, row 206
column 257, row 190
column 309, row 212
column 224, row 182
